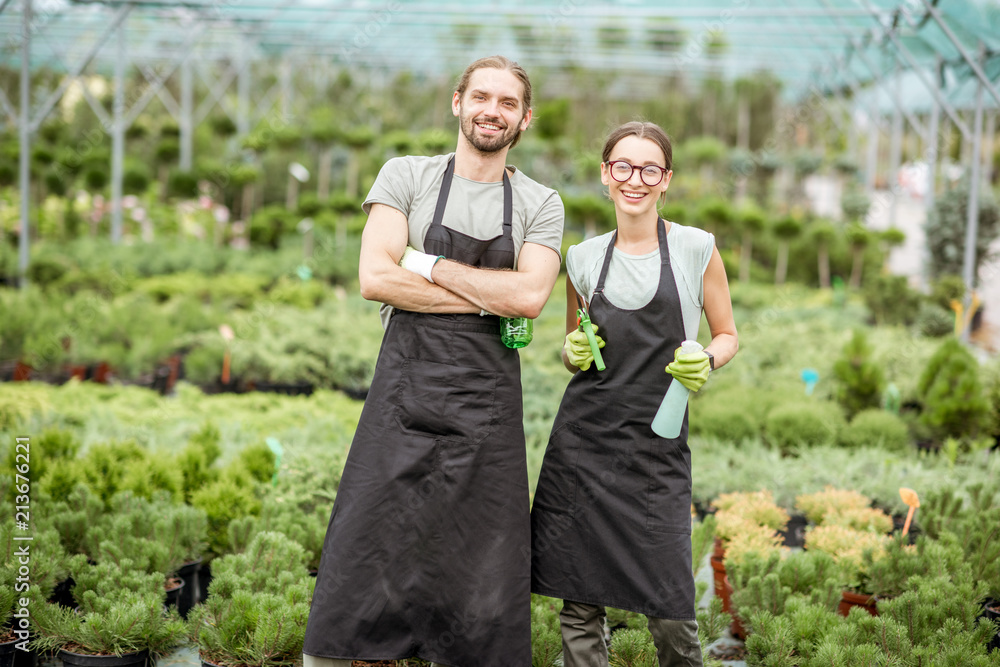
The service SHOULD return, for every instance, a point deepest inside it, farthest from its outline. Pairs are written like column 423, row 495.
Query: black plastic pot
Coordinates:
column 286, row 388
column 23, row 658
column 137, row 659
column 8, row 651
column 62, row 593
column 991, row 611
column 204, row 579
column 26, row 658
column 192, row 587
column 794, row 534
column 173, row 595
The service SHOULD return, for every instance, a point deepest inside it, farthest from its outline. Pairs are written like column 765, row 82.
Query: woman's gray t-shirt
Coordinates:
column 632, row 279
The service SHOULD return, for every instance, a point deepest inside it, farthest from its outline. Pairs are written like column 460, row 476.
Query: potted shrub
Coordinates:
column 158, row 536
column 258, row 606
column 746, row 523
column 852, row 532
column 47, row 562
column 121, row 618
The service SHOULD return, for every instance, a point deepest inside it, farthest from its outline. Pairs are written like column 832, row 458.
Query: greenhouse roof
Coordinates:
column 811, row 45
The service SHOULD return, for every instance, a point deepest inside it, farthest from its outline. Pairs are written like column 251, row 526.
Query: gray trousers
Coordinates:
column 315, row 661
column 583, row 625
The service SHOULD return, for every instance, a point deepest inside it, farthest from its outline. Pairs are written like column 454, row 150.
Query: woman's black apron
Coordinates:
column 424, row 554
column 611, row 519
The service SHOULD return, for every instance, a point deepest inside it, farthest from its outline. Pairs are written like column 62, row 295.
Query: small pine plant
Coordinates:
column 951, row 392
column 860, row 380
column 632, row 648
column 258, row 605
column 546, row 640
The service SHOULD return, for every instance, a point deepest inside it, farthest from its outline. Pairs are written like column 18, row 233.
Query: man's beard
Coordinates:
column 491, row 144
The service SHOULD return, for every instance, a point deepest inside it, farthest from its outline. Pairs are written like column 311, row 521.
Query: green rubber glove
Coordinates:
column 691, row 369
column 577, row 348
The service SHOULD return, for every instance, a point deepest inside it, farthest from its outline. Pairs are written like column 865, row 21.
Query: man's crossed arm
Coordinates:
column 457, row 288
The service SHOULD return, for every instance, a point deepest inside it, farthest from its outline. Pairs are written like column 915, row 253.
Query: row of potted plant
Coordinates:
column 849, row 561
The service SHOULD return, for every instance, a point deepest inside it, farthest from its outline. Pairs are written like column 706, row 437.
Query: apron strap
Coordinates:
column 442, row 200
column 607, row 262
column 661, row 237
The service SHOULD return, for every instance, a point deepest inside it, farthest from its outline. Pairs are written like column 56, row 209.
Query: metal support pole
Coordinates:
column 972, row 227
column 983, row 79
column 895, row 146
column 871, row 173
column 879, row 80
column 57, row 95
column 186, row 126
column 25, row 148
column 990, row 137
column 931, row 155
column 931, row 86
column 243, row 94
column 285, row 78
column 118, row 139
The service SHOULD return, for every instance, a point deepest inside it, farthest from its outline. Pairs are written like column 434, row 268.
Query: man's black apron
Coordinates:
column 611, row 519
column 424, row 554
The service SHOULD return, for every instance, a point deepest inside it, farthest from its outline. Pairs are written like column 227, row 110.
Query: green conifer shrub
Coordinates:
column 257, row 606
column 632, row 648
column 546, row 638
column 950, row 390
column 873, row 427
column 803, row 424
column 859, row 378
column 891, row 300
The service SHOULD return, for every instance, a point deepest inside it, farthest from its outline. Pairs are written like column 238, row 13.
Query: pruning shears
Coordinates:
column 583, row 321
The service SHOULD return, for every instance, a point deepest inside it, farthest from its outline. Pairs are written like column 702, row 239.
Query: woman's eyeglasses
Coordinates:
column 621, row 171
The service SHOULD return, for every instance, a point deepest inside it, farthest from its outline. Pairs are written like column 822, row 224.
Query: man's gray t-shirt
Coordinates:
column 411, row 184
column 632, row 279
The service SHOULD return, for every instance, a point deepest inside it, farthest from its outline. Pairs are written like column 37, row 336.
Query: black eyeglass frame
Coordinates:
column 611, row 170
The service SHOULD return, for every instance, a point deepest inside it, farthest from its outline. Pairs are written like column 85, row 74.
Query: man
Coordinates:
column 423, row 554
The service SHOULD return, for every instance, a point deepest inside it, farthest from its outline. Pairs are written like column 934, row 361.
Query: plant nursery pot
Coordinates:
column 850, row 599
column 8, row 650
column 22, row 372
column 289, row 388
column 899, row 520
column 991, row 611
column 928, row 446
column 167, row 374
column 192, row 587
column 719, row 550
column 26, row 658
column 736, row 627
column 794, row 534
column 137, row 659
column 62, row 594
column 204, row 579
column 719, row 579
column 99, row 372
column 174, row 587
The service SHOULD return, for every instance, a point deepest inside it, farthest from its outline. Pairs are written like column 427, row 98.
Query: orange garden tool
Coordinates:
column 909, row 497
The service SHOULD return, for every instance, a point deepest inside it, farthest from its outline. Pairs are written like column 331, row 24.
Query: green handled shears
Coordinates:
column 587, row 328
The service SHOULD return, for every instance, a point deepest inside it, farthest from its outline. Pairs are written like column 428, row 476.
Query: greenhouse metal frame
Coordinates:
column 886, row 61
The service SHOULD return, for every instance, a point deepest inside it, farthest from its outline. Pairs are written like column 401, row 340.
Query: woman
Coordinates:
column 611, row 520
